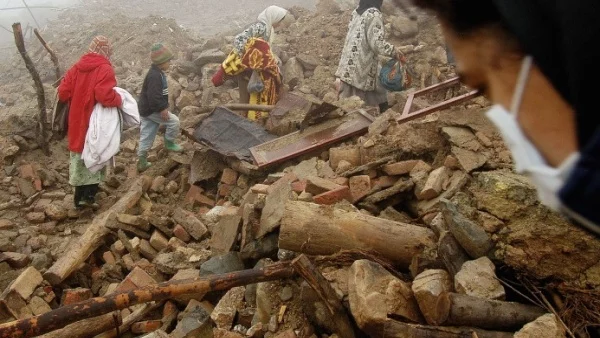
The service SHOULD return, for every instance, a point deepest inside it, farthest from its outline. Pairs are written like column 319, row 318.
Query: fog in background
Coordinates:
column 204, row 17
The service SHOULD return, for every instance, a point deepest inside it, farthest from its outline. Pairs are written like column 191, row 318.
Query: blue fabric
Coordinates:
column 149, row 128
column 581, row 194
column 392, row 75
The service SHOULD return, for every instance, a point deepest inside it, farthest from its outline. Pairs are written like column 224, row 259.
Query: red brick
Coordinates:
column 299, row 186
column 146, row 326
column 334, row 196
column 221, row 202
column 109, row 258
column 203, row 210
column 384, row 182
column 195, row 194
column 317, row 185
column 400, row 168
column 74, row 296
column 181, row 234
column 138, row 278
column 225, row 190
column 260, row 189
column 229, row 176
column 360, row 187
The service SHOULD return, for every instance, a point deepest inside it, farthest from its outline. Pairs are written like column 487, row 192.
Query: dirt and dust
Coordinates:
column 193, row 222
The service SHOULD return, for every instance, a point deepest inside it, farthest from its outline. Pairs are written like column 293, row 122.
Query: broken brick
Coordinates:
column 229, row 176
column 74, row 296
column 15, row 260
column 341, row 180
column 316, row 185
column 38, row 306
column 195, row 194
column 135, row 221
column 225, row 190
column 451, row 162
column 360, row 187
column 26, row 283
column 181, row 234
column 36, row 217
column 334, row 196
column 384, row 182
column 190, row 223
column 159, row 241
column 350, row 155
column 27, row 171
column 109, row 258
column 260, row 189
column 138, row 278
column 299, row 186
column 434, row 184
column 147, row 250
column 399, row 168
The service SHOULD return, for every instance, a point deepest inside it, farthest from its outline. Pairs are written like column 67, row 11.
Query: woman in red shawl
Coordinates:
column 91, row 80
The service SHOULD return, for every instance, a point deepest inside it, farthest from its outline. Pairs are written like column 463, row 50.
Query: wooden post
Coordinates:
column 315, row 279
column 93, row 236
column 88, row 328
column 53, row 56
column 462, row 310
column 322, row 230
column 66, row 315
column 39, row 87
column 395, row 329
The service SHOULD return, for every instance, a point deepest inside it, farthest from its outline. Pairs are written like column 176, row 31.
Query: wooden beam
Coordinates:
column 315, row 279
column 66, row 315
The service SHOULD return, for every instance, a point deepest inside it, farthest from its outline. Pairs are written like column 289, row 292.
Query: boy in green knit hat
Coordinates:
column 154, row 107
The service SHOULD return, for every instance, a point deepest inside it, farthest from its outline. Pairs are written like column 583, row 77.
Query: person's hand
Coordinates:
column 164, row 115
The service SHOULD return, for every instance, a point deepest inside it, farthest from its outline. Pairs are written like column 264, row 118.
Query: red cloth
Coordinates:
column 219, row 78
column 89, row 81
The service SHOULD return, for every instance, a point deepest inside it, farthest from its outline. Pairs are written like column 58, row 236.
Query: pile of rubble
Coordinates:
column 413, row 230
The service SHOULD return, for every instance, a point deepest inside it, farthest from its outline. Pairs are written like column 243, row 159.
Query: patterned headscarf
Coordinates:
column 101, row 45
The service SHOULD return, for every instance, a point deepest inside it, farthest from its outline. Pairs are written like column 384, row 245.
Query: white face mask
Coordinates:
column 528, row 160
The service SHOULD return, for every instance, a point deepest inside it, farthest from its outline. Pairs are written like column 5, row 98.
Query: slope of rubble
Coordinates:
column 405, row 224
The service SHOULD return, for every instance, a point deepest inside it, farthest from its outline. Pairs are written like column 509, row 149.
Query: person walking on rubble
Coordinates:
column 154, row 107
column 526, row 56
column 91, row 80
column 357, row 73
column 242, row 63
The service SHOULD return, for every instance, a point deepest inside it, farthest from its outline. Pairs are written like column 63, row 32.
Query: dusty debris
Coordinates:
column 427, row 195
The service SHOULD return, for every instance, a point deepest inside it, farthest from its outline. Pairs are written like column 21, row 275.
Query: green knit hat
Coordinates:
column 160, row 54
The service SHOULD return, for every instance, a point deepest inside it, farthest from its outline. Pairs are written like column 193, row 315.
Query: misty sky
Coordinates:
column 8, row 17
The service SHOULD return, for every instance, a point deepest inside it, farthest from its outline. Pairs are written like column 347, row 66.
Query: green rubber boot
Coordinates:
column 143, row 163
column 173, row 147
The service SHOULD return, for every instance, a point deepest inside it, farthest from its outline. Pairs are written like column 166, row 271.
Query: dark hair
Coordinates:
column 363, row 5
column 464, row 16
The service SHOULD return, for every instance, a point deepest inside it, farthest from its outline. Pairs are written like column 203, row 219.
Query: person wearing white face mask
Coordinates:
column 533, row 60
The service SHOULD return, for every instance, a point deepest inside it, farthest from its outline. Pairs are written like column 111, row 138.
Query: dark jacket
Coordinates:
column 155, row 92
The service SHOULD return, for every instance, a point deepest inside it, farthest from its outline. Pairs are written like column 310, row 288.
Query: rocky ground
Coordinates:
column 406, row 223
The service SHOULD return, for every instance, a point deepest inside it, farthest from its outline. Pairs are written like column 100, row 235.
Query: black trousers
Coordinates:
column 86, row 194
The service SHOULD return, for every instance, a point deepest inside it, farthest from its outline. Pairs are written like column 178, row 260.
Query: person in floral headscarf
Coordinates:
column 91, row 80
